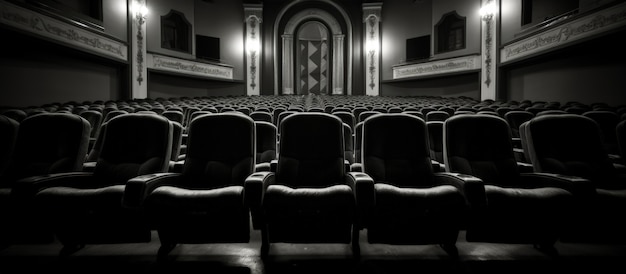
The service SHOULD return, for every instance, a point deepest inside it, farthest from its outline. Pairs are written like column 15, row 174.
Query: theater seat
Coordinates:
column 513, row 207
column 8, row 136
column 205, row 203
column 266, row 145
column 572, row 145
column 310, row 198
column 86, row 207
column 620, row 131
column 412, row 204
column 46, row 143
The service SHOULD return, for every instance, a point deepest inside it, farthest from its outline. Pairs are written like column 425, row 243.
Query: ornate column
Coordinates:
column 489, row 47
column 371, row 47
column 337, row 64
column 253, row 44
column 138, row 13
column 287, row 64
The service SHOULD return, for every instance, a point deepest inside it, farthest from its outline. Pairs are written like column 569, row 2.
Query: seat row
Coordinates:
column 309, row 193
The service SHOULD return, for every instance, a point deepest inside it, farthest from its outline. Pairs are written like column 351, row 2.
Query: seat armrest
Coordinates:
column 138, row 188
column 576, row 185
column 365, row 195
column 621, row 168
column 437, row 166
column 266, row 166
column 29, row 186
column 525, row 167
column 89, row 166
column 356, row 167
column 472, row 188
column 177, row 166
column 273, row 165
column 254, row 187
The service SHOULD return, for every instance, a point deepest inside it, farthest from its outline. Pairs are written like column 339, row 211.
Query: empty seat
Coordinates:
column 310, row 198
column 46, row 143
column 205, row 203
column 174, row 115
column 607, row 121
column 86, row 207
column 95, row 119
column 266, row 145
column 8, row 136
column 572, row 145
column 435, row 142
column 346, row 116
column 411, row 203
column 512, row 206
column 437, row 115
column 263, row 116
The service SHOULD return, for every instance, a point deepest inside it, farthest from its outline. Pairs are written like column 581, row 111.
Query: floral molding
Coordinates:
column 452, row 65
column 584, row 27
column 36, row 23
column 187, row 67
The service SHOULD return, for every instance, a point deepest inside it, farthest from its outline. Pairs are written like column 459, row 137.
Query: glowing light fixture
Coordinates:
column 488, row 10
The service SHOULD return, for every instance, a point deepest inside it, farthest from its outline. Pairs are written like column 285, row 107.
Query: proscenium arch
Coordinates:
column 348, row 40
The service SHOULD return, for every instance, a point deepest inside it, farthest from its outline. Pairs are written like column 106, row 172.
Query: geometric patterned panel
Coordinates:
column 313, row 67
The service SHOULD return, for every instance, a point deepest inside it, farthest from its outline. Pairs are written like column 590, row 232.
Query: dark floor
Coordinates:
column 481, row 258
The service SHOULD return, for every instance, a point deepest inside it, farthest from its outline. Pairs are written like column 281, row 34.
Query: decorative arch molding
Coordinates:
column 287, row 63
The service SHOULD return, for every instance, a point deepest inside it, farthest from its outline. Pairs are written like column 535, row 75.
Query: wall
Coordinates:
column 588, row 72
column 158, row 8
column 467, row 85
column 217, row 18
column 402, row 20
column 407, row 19
column 36, row 71
column 224, row 19
column 172, row 86
column 465, row 8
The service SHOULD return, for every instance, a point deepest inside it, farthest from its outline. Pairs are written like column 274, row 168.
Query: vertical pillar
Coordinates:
column 371, row 44
column 489, row 46
column 287, row 64
column 253, row 44
column 337, row 64
column 139, row 12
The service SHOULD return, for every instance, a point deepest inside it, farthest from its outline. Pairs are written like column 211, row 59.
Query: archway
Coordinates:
column 312, row 59
column 339, row 50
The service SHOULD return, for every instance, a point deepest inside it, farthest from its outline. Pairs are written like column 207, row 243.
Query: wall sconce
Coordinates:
column 139, row 9
column 487, row 11
column 253, row 47
column 371, row 47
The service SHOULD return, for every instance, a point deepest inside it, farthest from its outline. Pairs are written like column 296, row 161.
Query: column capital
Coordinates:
column 253, row 12
column 372, row 11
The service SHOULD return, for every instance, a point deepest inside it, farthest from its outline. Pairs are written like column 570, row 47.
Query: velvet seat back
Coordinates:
column 217, row 157
column 311, row 150
column 482, row 147
column 391, row 152
column 134, row 144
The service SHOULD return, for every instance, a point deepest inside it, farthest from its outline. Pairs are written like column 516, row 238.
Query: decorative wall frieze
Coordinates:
column 48, row 27
column 452, row 65
column 371, row 46
column 188, row 67
column 489, row 37
column 593, row 24
column 253, row 43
